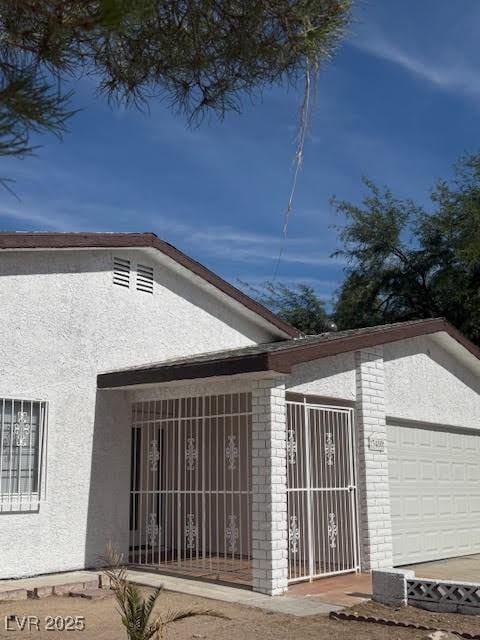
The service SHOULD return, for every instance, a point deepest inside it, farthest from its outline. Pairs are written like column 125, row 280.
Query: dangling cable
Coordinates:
column 310, row 73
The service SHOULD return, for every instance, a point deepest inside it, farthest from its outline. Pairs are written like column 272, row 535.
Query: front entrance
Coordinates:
column 190, row 499
column 322, row 509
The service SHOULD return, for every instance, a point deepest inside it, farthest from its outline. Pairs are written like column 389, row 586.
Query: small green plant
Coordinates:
column 137, row 611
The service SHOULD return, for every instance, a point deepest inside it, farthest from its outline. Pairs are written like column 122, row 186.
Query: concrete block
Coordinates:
column 468, row 609
column 428, row 605
column 40, row 592
column 104, row 582
column 390, row 586
column 64, row 589
column 91, row 584
column 13, row 594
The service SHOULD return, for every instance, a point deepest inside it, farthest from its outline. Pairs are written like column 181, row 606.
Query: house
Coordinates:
column 146, row 402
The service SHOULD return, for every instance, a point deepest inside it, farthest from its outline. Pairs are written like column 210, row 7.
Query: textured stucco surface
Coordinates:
column 332, row 377
column 63, row 321
column 425, row 382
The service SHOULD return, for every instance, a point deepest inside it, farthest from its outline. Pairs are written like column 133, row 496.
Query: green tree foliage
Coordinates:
column 299, row 306
column 200, row 56
column 406, row 262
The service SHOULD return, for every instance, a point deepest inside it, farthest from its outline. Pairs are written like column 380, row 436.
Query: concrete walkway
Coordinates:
column 347, row 590
column 296, row 605
column 290, row 604
column 463, row 569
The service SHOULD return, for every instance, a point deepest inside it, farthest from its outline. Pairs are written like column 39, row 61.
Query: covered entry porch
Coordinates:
column 233, row 481
column 235, row 478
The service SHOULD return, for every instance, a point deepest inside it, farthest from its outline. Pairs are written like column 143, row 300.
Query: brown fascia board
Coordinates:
column 281, row 361
column 284, row 360
column 255, row 363
column 41, row 240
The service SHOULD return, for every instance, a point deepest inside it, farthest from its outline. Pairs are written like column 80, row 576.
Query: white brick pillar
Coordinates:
column 373, row 490
column 269, row 488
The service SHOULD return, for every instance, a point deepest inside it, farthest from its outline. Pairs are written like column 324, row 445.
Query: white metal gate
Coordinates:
column 190, row 500
column 322, row 513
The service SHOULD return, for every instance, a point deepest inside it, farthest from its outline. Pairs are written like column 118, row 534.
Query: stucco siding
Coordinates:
column 328, row 377
column 424, row 382
column 63, row 321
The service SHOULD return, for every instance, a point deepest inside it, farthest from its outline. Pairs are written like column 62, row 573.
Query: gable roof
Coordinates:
column 279, row 356
column 46, row 240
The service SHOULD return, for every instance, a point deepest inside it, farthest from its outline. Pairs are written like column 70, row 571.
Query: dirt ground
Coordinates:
column 102, row 622
column 449, row 621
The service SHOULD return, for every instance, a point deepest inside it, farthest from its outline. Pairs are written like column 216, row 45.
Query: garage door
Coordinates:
column 435, row 493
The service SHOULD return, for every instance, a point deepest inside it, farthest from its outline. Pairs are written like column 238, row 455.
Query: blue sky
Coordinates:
column 400, row 103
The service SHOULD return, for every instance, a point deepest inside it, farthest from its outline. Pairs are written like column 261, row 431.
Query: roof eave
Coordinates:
column 189, row 371
column 298, row 354
column 280, row 362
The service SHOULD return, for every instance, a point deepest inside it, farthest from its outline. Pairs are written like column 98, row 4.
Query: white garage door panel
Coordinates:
column 435, row 493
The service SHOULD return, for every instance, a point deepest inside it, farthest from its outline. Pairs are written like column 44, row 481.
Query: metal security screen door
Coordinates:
column 321, row 491
column 190, row 500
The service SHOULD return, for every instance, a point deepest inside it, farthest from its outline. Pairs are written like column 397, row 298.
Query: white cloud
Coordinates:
column 45, row 221
column 227, row 243
column 258, row 248
column 448, row 68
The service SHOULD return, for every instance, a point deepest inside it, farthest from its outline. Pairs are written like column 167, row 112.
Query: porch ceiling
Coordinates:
column 278, row 356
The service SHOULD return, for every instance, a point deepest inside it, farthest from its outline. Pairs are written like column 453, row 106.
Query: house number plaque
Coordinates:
column 376, row 443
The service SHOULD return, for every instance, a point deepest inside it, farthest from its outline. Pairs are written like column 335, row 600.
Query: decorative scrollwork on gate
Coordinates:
column 291, row 447
column 293, row 534
column 231, row 452
column 332, row 530
column 329, row 449
column 191, row 454
column 232, row 534
column 191, row 532
column 21, row 429
column 154, row 455
column 153, row 530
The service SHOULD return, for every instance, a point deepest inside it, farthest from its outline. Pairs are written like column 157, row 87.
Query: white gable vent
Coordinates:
column 144, row 278
column 121, row 272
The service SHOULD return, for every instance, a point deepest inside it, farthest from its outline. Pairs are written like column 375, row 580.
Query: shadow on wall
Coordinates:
column 108, row 502
column 332, row 378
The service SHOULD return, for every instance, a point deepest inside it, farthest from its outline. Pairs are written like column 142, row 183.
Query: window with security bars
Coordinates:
column 22, row 425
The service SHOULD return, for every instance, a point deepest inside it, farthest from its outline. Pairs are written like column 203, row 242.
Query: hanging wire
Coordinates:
column 305, row 109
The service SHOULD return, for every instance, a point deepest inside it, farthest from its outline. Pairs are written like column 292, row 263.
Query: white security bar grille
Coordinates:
column 121, row 272
column 321, row 491
column 190, row 505
column 144, row 278
column 22, row 429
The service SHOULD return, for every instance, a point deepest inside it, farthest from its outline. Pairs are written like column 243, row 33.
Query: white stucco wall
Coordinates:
column 425, row 380
column 63, row 321
column 332, row 377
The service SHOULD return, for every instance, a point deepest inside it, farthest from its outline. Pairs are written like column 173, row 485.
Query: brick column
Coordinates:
column 269, row 488
column 373, row 490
